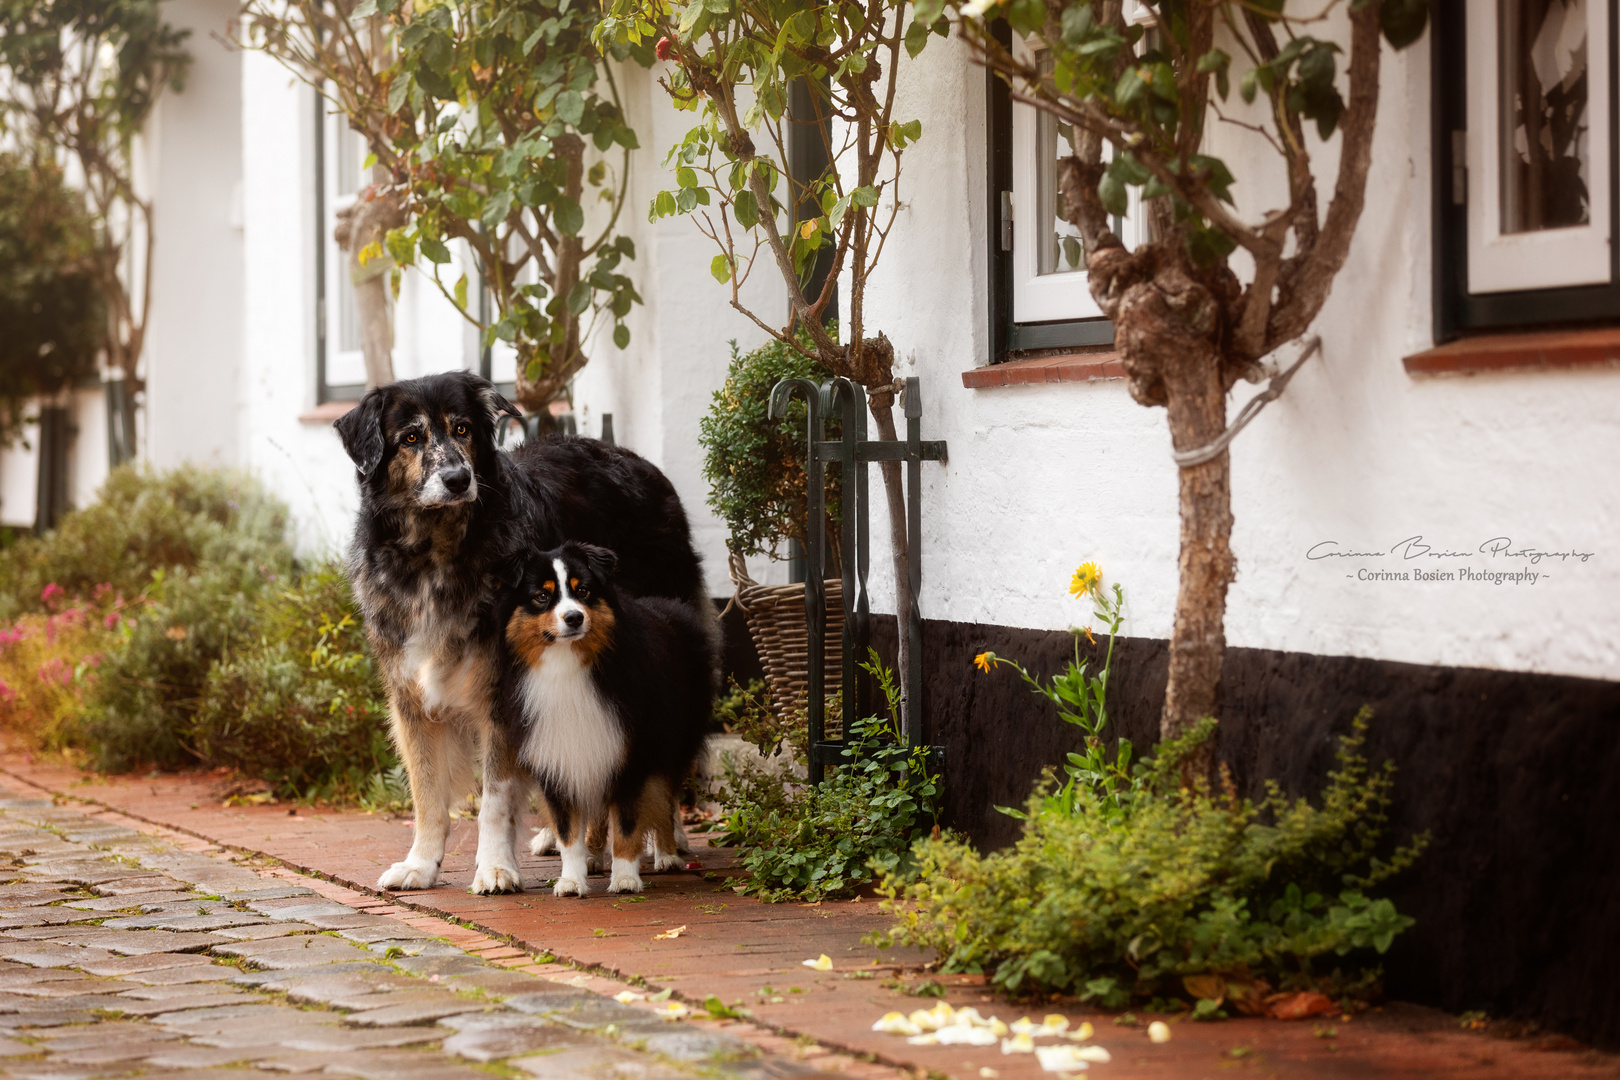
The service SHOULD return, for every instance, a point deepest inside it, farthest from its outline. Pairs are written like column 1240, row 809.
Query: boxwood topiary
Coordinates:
column 755, row 465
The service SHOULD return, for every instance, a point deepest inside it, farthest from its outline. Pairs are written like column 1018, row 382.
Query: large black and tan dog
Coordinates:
column 445, row 522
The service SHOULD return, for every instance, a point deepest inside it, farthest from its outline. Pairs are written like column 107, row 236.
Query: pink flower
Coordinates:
column 111, row 620
column 55, row 670
column 50, row 592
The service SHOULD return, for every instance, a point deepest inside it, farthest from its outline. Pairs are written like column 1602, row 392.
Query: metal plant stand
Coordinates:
column 841, row 399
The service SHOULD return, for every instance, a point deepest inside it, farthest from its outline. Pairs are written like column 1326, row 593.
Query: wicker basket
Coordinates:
column 776, row 622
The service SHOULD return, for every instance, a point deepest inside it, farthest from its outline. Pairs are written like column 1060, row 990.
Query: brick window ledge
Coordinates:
column 326, row 413
column 1520, row 352
column 1070, row 367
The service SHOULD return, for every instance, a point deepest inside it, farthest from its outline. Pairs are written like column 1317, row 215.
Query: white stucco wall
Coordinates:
column 194, row 167
column 660, row 387
column 1043, row 477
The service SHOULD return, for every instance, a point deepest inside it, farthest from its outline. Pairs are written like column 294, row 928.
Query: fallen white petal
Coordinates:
column 1060, row 1058
column 625, row 997
column 896, row 1024
column 821, row 963
column 1020, row 1043
column 1159, row 1031
column 927, row 1038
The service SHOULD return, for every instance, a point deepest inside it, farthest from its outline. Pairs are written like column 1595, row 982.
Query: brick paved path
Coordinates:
column 746, row 953
column 123, row 953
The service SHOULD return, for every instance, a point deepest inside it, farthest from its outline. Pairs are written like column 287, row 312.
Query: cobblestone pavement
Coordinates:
column 125, row 954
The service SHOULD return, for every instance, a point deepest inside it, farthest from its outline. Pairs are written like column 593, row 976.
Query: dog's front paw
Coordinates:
column 626, row 878
column 662, row 862
column 544, row 842
column 496, row 879
column 569, row 886
column 410, row 874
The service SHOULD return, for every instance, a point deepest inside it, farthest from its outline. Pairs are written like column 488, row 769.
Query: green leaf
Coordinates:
column 579, row 298
column 438, row 53
column 916, row 38
column 720, row 267
column 398, row 91
column 866, row 196
column 745, row 209
column 1111, row 190
column 568, row 217
column 1403, row 21
column 364, row 10
column 461, row 292
column 571, row 107
column 685, row 177
column 664, row 205
column 434, row 250
column 621, row 336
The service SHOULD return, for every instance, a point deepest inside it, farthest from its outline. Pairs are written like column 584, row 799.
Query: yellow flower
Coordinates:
column 1085, row 580
column 1087, row 632
column 985, row 661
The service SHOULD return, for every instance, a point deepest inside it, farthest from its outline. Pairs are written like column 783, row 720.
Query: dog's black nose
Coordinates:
column 457, row 479
column 574, row 619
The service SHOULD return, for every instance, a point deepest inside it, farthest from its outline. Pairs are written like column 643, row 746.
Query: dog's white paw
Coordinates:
column 496, row 879
column 544, row 842
column 568, row 886
column 662, row 862
column 626, row 878
column 410, row 874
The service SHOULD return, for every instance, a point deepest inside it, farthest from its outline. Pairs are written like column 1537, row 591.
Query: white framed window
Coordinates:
column 1538, row 154
column 342, row 164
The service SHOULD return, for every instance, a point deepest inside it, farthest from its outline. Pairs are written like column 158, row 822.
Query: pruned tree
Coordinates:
column 50, row 305
column 734, row 62
column 1140, row 97
column 80, row 80
column 490, row 122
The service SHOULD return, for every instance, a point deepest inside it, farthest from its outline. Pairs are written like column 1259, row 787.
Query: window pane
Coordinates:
column 1545, row 144
column 1060, row 248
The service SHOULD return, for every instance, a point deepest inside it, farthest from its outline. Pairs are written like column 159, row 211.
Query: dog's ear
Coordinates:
column 497, row 405
column 361, row 429
column 601, row 561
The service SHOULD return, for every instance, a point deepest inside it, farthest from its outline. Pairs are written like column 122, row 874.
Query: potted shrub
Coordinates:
column 756, row 470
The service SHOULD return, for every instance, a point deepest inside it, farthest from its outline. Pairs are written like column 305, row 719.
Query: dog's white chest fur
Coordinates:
column 450, row 681
column 573, row 737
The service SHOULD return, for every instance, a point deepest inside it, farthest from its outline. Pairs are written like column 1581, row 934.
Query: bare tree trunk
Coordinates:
column 1197, row 408
column 359, row 226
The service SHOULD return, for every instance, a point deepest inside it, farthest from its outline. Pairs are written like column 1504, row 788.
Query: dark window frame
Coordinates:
column 1457, row 311
column 1008, row 338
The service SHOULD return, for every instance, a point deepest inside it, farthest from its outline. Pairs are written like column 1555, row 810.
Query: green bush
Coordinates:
column 177, row 521
column 1141, row 884
column 297, row 701
column 811, row 843
column 755, row 465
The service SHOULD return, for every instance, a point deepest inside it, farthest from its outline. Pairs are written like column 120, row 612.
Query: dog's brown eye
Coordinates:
column 411, row 438
column 461, row 429
column 582, row 593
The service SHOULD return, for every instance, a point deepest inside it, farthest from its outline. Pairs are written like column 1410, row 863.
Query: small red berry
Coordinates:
column 662, row 48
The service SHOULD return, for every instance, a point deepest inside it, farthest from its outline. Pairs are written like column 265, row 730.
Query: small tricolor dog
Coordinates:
column 606, row 699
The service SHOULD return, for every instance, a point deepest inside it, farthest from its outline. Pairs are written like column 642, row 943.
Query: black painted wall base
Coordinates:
column 1515, row 775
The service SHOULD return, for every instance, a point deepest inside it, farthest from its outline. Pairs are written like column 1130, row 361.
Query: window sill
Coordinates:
column 327, row 413
column 1520, row 352
column 1071, row 367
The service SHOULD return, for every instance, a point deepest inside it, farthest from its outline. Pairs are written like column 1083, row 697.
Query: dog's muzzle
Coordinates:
column 448, row 486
